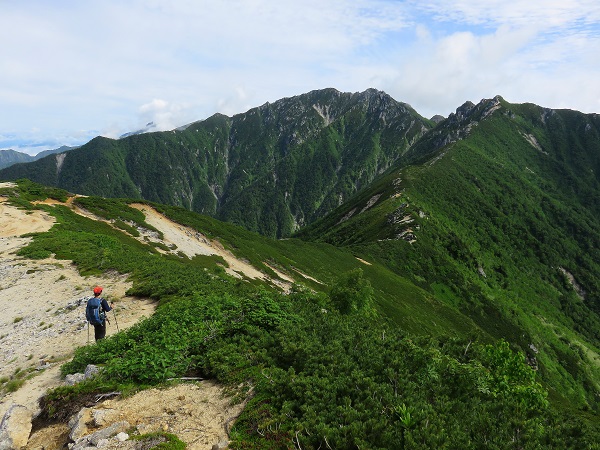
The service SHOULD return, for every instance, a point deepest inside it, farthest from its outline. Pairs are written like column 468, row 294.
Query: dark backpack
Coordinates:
column 93, row 311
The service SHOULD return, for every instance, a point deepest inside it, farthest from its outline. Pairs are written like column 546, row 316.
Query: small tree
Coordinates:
column 353, row 293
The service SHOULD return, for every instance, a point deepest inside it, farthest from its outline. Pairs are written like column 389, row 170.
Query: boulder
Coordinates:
column 77, row 424
column 15, row 428
column 122, row 436
column 100, row 437
column 74, row 378
column 221, row 445
column 91, row 371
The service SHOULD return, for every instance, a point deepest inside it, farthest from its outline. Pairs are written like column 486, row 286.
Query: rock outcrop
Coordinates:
column 15, row 428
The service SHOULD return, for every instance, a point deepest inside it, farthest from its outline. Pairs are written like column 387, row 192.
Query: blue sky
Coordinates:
column 72, row 70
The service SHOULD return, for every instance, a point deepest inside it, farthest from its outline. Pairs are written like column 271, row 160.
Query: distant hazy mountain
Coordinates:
column 10, row 157
column 150, row 126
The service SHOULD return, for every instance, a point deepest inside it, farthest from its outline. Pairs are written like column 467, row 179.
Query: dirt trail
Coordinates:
column 43, row 308
column 43, row 321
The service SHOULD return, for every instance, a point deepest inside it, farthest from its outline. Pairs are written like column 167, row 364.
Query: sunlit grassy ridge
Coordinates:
column 416, row 374
column 506, row 224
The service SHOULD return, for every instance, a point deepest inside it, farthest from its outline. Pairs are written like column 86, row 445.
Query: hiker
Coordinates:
column 95, row 313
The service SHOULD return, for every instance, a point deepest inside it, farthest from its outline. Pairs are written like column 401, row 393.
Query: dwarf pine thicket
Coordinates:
column 326, row 370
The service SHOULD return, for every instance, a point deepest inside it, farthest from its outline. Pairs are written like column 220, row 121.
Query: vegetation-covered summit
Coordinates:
column 501, row 221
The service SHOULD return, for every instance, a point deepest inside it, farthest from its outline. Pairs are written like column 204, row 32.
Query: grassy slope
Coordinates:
column 493, row 203
column 322, row 378
column 505, row 219
column 408, row 305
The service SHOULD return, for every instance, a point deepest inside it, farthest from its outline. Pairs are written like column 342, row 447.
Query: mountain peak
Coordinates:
column 150, row 126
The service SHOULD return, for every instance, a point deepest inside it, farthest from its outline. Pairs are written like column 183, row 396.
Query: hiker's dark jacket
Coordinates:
column 105, row 306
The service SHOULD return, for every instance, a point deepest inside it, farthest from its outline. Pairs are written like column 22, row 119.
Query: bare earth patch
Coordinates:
column 191, row 243
column 198, row 414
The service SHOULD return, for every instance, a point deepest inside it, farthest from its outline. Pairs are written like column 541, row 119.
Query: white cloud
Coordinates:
column 103, row 65
column 162, row 114
column 521, row 50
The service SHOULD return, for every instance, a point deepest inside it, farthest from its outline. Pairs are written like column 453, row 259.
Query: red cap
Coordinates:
column 98, row 290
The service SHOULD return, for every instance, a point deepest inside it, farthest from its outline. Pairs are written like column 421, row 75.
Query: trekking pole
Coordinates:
column 116, row 323
column 88, row 332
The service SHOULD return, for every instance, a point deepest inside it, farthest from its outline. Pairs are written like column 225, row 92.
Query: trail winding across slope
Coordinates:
column 43, row 322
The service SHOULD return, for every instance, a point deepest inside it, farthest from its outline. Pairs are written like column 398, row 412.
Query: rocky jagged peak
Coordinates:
column 373, row 94
column 292, row 107
column 385, row 107
column 437, row 118
column 326, row 95
column 464, row 110
column 329, row 104
column 471, row 112
column 327, row 92
column 459, row 124
column 488, row 104
column 377, row 99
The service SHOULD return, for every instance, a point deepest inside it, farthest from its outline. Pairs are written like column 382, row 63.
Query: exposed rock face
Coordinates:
column 15, row 428
column 104, row 434
column 78, row 422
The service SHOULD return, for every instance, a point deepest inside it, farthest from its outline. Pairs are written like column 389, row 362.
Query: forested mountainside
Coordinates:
column 502, row 221
column 10, row 157
column 353, row 354
column 272, row 169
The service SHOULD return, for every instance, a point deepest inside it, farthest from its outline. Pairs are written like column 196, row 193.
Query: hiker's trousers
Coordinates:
column 100, row 331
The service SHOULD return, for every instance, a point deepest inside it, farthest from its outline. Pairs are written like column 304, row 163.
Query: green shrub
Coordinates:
column 353, row 293
column 321, row 376
column 160, row 441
